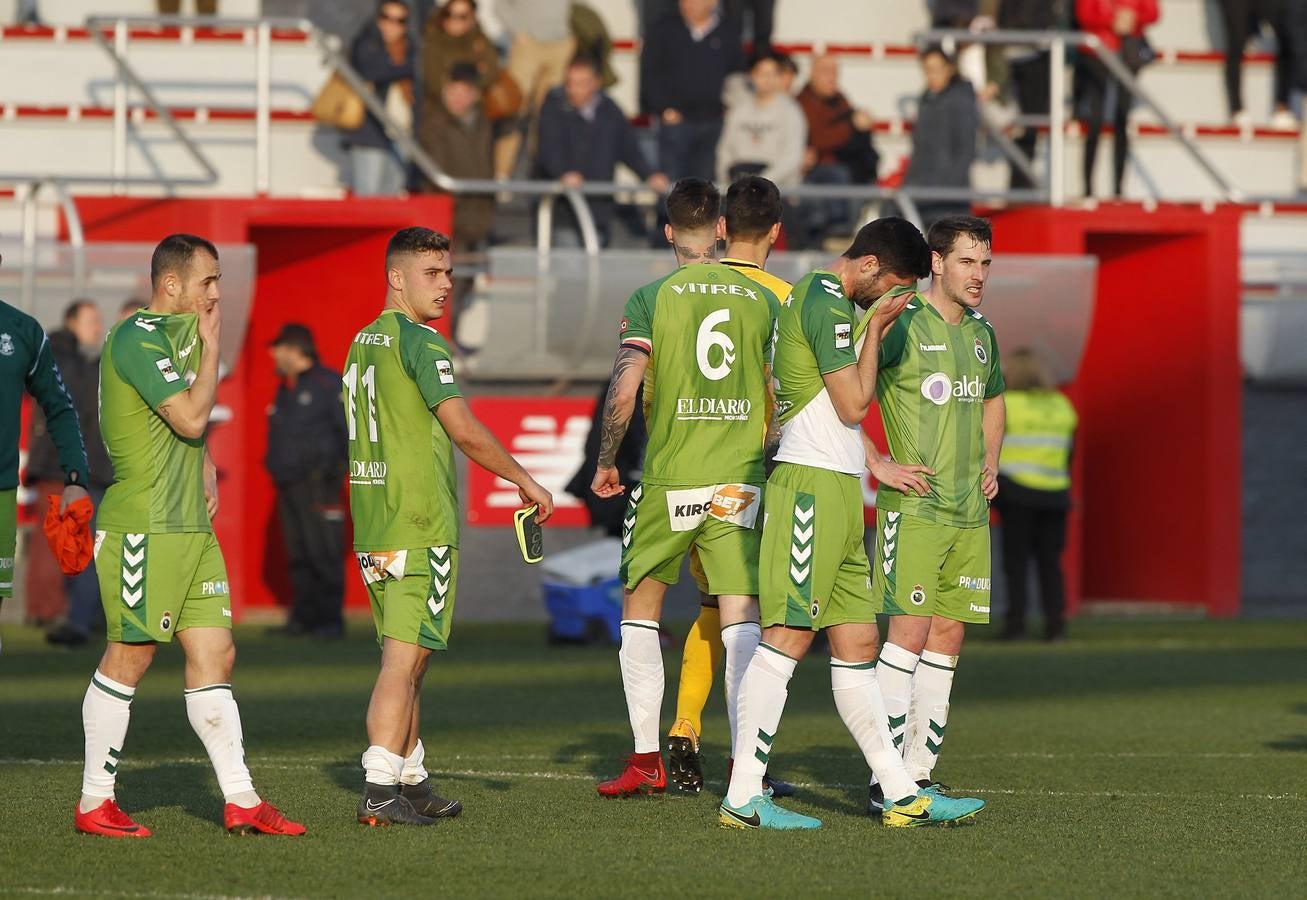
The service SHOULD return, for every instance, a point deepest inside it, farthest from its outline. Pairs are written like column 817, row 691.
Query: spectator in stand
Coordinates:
column 789, row 72
column 583, row 135
column 952, row 13
column 1242, row 17
column 74, row 603
column 1119, row 24
column 839, row 151
column 762, row 16
column 538, row 57
column 683, row 69
column 307, row 458
column 765, row 133
column 130, row 307
column 1026, row 68
column 384, row 56
column 1034, row 491
column 944, row 136
column 452, row 35
column 457, row 135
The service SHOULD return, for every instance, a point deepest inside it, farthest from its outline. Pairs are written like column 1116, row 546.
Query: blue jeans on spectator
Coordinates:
column 689, row 149
column 375, row 171
column 820, row 217
column 85, row 611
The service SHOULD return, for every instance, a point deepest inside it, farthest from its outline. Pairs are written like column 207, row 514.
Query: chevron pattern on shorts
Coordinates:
column 441, row 564
column 802, row 533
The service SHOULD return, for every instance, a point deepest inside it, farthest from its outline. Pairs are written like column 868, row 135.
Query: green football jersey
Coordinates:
column 816, row 337
column 403, row 491
column 158, row 474
column 932, row 382
column 709, row 331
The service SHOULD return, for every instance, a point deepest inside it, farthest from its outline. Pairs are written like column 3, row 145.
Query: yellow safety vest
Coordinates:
column 1037, row 443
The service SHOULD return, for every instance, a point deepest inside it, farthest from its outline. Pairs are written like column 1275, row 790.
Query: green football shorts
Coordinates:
column 924, row 569
column 663, row 522
column 8, row 540
column 815, row 572
column 153, row 585
column 412, row 593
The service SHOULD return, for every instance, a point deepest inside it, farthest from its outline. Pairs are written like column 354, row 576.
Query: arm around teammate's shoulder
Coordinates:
column 483, row 448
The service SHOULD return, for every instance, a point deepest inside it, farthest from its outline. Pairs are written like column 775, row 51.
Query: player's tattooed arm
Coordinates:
column 619, row 406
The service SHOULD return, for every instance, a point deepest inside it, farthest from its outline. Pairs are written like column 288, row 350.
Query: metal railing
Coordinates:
column 1057, row 43
column 112, row 34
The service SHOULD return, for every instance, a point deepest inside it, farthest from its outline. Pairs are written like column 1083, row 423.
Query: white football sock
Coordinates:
column 105, row 714
column 857, row 697
column 931, row 686
column 894, row 676
column 641, row 658
column 413, row 771
column 380, row 766
column 761, row 702
column 216, row 719
column 741, row 642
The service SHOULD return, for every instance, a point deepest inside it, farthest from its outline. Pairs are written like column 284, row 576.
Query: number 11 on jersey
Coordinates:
column 369, row 382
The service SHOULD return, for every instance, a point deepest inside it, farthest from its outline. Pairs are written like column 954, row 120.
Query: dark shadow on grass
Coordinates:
column 349, row 776
column 188, row 785
column 1295, row 744
column 600, row 754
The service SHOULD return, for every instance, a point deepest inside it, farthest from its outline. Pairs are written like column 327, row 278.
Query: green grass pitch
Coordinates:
column 1137, row 759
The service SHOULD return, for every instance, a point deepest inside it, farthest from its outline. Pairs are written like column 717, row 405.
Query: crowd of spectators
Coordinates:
column 717, row 99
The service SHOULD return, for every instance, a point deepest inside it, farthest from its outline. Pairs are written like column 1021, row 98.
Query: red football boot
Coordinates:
column 108, row 820
column 262, row 819
column 644, row 774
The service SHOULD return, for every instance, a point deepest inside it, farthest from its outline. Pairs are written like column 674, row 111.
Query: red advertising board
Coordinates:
column 547, row 435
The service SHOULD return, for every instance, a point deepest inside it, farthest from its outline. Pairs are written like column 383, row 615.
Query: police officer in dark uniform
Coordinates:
column 307, row 458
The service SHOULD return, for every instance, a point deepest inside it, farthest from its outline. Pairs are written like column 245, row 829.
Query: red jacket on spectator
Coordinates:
column 830, row 122
column 1096, row 16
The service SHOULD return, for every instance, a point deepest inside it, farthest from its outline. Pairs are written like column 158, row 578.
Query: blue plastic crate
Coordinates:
column 577, row 612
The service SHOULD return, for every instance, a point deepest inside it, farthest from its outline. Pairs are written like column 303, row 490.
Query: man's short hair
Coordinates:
column 765, row 55
column 585, row 60
column 787, row 63
column 175, row 254
column 694, row 204
column 74, row 309
column 753, row 206
column 944, row 233
column 897, row 245
column 415, row 240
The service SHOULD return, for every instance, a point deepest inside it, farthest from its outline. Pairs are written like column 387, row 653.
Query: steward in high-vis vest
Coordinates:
column 1035, row 491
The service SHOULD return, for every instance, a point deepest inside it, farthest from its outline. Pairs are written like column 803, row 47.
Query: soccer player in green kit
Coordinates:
column 27, row 364
column 161, row 571
column 815, row 572
column 404, row 413
column 940, row 390
column 707, row 331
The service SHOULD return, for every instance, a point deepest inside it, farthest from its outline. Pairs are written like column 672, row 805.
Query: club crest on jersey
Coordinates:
column 6, row 345
column 166, row 622
column 623, row 325
column 981, row 354
column 815, row 611
column 918, row 595
column 843, row 335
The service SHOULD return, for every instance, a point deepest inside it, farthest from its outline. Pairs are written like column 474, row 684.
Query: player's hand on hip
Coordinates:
column 607, row 482
column 544, row 501
column 908, row 479
column 989, row 482
column 72, row 493
column 211, row 490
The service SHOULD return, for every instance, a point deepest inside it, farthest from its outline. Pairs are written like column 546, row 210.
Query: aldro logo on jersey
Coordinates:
column 939, row 389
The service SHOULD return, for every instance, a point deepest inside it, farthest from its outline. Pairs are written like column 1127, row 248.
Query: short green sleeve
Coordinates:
column 995, row 384
column 429, row 363
column 144, row 358
column 636, row 328
column 827, row 322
